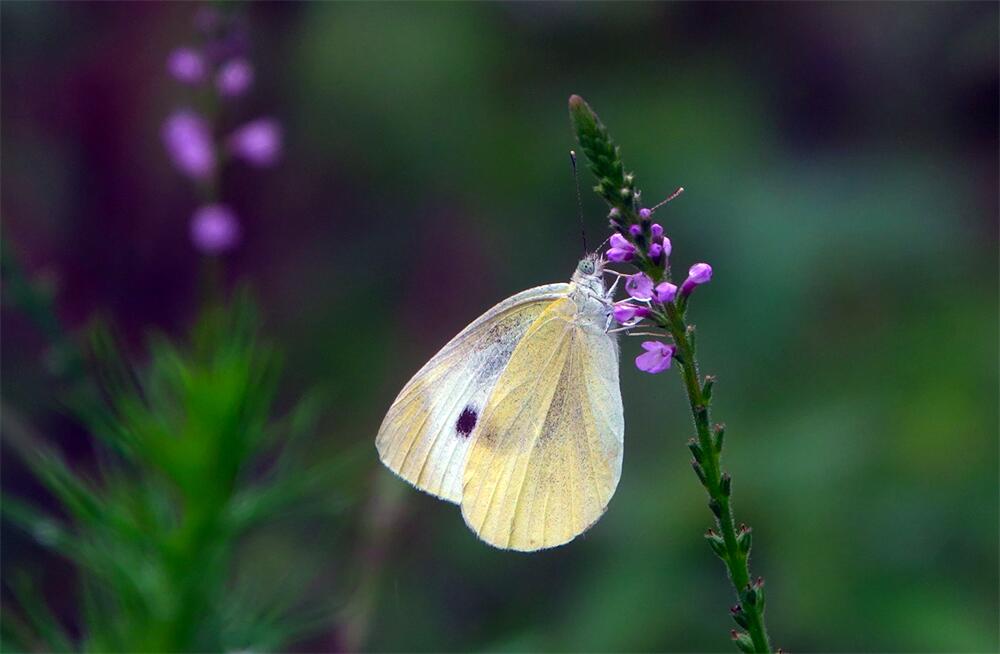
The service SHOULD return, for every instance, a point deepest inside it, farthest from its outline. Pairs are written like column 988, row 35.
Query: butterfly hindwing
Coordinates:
column 426, row 435
column 548, row 449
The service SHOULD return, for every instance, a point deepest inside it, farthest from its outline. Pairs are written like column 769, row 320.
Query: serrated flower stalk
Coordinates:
column 631, row 243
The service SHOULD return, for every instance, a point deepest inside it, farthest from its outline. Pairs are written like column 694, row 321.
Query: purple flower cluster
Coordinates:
column 645, row 244
column 217, row 67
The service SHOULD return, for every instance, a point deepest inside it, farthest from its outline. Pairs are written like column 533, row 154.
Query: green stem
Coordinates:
column 737, row 562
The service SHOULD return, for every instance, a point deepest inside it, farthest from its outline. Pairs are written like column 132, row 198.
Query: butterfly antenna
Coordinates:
column 680, row 189
column 579, row 200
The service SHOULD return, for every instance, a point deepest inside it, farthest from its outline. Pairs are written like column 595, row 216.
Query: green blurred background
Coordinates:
column 840, row 162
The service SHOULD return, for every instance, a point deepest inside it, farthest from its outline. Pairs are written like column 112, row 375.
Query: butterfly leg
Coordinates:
column 614, row 285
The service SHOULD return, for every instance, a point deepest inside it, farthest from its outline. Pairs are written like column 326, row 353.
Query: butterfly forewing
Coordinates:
column 426, row 435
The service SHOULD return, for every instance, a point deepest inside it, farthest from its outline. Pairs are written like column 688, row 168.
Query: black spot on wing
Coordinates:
column 466, row 421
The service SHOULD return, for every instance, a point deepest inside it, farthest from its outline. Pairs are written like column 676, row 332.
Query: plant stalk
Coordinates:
column 737, row 562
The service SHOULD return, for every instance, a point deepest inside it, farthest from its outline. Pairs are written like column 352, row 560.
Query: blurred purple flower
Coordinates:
column 657, row 357
column 634, row 230
column 621, row 250
column 665, row 292
column 214, row 229
column 699, row 273
column 188, row 140
column 657, row 232
column 626, row 312
column 645, row 213
column 235, row 78
column 186, row 65
column 639, row 286
column 258, row 142
column 668, row 247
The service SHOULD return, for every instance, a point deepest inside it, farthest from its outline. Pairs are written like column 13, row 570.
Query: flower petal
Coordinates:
column 639, row 286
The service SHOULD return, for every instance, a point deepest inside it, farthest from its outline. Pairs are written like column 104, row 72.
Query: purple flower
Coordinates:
column 639, row 286
column 621, row 250
column 657, row 231
column 668, row 247
column 656, row 252
column 645, row 213
column 657, row 357
column 665, row 292
column 699, row 273
column 258, row 142
column 214, row 229
column 634, row 230
column 234, row 78
column 627, row 313
column 188, row 140
column 186, row 65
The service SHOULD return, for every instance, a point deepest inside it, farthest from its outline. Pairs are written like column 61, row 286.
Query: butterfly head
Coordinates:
column 592, row 265
column 590, row 273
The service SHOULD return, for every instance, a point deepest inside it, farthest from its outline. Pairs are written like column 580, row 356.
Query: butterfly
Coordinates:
column 519, row 418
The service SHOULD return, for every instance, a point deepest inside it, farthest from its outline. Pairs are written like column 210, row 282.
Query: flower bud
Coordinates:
column 186, row 65
column 656, row 253
column 188, row 141
column 699, row 273
column 214, row 229
column 665, row 292
column 258, row 142
column 235, row 78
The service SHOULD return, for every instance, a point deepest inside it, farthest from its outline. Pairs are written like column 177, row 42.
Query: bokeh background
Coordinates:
column 840, row 162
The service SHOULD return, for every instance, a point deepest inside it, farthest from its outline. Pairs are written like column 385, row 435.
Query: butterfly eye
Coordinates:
column 586, row 267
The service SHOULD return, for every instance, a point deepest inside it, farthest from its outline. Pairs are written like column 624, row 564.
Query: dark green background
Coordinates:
column 840, row 162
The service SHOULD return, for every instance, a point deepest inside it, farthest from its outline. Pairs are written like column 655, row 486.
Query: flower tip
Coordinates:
column 576, row 102
column 645, row 213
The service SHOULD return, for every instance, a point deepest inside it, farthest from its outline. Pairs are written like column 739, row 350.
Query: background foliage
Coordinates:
column 840, row 162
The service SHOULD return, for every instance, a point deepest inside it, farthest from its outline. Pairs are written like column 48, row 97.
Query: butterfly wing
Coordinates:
column 426, row 434
column 548, row 450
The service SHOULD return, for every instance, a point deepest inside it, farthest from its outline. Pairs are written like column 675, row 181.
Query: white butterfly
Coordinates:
column 519, row 417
